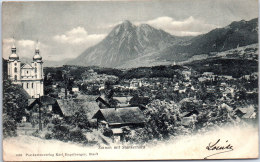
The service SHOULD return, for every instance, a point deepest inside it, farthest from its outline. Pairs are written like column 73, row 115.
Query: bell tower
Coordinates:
column 14, row 66
column 37, row 65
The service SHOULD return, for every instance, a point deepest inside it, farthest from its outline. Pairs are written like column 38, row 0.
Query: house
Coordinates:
column 119, row 119
column 132, row 117
column 186, row 74
column 189, row 118
column 102, row 103
column 75, row 89
column 123, row 101
column 208, row 74
column 49, row 106
column 134, row 84
column 70, row 106
column 246, row 112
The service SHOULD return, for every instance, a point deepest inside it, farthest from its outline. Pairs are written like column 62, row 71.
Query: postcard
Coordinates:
column 130, row 80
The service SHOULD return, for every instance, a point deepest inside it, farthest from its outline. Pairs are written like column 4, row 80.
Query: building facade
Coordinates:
column 29, row 76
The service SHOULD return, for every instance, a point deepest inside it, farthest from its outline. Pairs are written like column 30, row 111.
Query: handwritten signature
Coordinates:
column 226, row 147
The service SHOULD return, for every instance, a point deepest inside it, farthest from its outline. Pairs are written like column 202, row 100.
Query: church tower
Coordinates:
column 37, row 63
column 29, row 76
column 14, row 66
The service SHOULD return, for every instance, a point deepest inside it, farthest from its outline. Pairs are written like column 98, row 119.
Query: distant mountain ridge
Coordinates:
column 126, row 42
column 128, row 46
column 236, row 34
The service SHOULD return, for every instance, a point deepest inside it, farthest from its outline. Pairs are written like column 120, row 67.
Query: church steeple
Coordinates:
column 13, row 55
column 13, row 49
column 37, row 55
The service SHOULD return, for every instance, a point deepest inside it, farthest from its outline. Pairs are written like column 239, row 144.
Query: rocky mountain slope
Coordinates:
column 236, row 34
column 126, row 42
column 128, row 46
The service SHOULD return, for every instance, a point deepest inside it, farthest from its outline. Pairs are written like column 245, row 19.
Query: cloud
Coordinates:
column 25, row 48
column 187, row 27
column 26, row 43
column 77, row 36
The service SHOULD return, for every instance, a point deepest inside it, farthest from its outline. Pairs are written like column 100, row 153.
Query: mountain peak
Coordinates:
column 126, row 23
column 145, row 26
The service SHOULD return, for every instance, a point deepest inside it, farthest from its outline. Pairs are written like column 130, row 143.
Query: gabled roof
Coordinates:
column 103, row 101
column 64, row 106
column 26, row 66
column 123, row 99
column 70, row 106
column 127, row 115
column 247, row 112
column 30, row 101
column 190, row 113
column 43, row 100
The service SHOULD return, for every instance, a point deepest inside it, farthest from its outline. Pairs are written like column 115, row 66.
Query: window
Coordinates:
column 27, row 72
column 22, row 84
column 27, row 86
column 32, row 85
column 15, row 77
column 15, row 64
column 15, row 69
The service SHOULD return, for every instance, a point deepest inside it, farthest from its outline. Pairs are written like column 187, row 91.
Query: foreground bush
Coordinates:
column 66, row 133
column 9, row 127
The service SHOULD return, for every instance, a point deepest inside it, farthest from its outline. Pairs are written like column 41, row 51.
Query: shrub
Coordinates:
column 78, row 136
column 36, row 133
column 66, row 133
column 9, row 127
column 61, row 132
column 48, row 136
column 107, row 132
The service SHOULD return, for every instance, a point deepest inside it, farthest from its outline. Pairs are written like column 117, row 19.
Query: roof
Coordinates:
column 64, row 106
column 117, row 131
column 70, row 106
column 26, row 66
column 224, row 105
column 189, row 113
column 47, row 100
column 187, row 121
column 247, row 112
column 13, row 56
column 123, row 99
column 30, row 101
column 43, row 100
column 103, row 101
column 125, row 115
column 37, row 57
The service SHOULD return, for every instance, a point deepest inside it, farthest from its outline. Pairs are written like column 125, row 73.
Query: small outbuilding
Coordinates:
column 119, row 117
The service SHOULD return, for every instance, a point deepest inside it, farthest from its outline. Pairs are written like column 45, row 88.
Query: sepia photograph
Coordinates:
column 130, row 80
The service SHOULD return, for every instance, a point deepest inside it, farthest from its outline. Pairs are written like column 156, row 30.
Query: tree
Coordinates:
column 136, row 101
column 161, row 117
column 109, row 92
column 79, row 119
column 14, row 104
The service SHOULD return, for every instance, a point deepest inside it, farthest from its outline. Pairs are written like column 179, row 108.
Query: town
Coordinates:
column 95, row 105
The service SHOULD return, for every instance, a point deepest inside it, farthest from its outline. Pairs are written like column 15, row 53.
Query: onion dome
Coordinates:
column 37, row 55
column 13, row 56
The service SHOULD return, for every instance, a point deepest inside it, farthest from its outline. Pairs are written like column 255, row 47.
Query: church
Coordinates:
column 29, row 76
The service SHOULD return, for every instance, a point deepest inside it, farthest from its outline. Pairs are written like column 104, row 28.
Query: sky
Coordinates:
column 65, row 29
